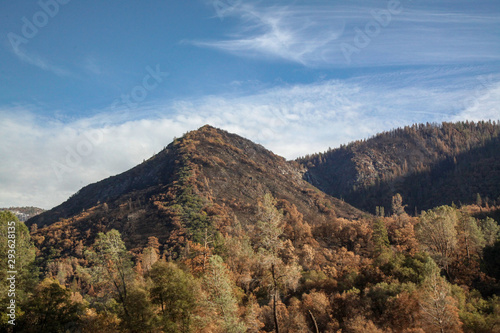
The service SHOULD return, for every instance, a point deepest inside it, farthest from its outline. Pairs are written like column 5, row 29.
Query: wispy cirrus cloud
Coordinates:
column 91, row 65
column 39, row 62
column 293, row 33
column 367, row 33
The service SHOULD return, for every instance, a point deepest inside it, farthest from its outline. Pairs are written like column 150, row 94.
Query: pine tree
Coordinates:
column 380, row 236
column 282, row 277
column 111, row 267
column 221, row 298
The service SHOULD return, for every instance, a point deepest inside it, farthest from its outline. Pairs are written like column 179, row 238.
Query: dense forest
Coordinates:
column 217, row 234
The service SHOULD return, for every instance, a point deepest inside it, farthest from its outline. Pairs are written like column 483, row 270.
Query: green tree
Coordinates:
column 50, row 309
column 175, row 292
column 270, row 225
column 479, row 201
column 111, row 267
column 138, row 303
column 481, row 315
column 380, row 236
column 281, row 277
column 470, row 235
column 437, row 232
column 221, row 299
column 16, row 249
column 490, row 230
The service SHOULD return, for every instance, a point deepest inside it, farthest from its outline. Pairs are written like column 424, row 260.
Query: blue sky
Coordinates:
column 90, row 89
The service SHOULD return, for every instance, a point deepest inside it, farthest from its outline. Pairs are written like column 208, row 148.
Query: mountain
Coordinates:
column 217, row 234
column 24, row 213
column 207, row 180
column 429, row 165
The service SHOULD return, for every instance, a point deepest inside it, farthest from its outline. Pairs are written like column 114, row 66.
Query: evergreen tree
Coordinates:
column 490, row 230
column 281, row 277
column 111, row 268
column 380, row 236
column 219, row 286
column 397, row 206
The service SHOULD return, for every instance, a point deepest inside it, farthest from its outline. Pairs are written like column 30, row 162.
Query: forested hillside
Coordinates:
column 428, row 165
column 218, row 234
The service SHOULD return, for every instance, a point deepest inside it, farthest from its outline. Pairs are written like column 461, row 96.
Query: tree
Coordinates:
column 479, row 201
column 317, row 305
column 270, row 225
column 221, row 300
column 437, row 232
column 17, row 253
column 175, row 291
column 481, row 315
column 154, row 244
column 380, row 211
column 111, row 267
column 402, row 233
column 397, row 205
column 149, row 257
column 50, row 309
column 254, row 325
column 439, row 310
column 360, row 324
column 138, row 303
column 490, row 230
column 270, row 228
column 470, row 235
column 380, row 236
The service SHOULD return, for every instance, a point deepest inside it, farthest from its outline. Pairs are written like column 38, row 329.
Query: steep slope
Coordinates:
column 207, row 181
column 428, row 164
column 156, row 171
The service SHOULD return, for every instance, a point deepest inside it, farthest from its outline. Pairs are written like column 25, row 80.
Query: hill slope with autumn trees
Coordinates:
column 218, row 234
column 429, row 165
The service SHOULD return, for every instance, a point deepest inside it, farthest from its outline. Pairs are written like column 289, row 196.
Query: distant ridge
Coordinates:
column 429, row 164
column 24, row 213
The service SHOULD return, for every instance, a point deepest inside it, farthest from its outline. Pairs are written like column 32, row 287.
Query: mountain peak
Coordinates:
column 207, row 178
column 205, row 131
column 207, row 127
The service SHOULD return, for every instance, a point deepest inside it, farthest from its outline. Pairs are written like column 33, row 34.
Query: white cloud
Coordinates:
column 483, row 103
column 45, row 161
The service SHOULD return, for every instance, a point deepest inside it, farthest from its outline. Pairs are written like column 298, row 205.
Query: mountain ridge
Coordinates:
column 207, row 180
column 410, row 161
